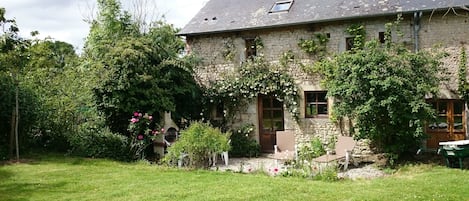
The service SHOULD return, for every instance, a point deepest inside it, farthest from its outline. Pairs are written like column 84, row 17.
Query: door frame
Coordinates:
column 267, row 140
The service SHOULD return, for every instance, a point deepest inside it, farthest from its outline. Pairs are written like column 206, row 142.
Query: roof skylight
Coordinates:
column 280, row 6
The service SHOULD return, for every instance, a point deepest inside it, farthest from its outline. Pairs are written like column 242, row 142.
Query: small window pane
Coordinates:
column 458, row 123
column 311, row 110
column 277, row 104
column 310, row 97
column 278, row 114
column 267, row 124
column 322, row 97
column 442, row 123
column 278, row 126
column 322, row 109
column 267, row 114
column 458, row 107
column 349, row 43
column 442, row 106
column 381, row 37
column 266, row 102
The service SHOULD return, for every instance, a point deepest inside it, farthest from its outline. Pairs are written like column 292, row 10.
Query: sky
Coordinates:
column 64, row 20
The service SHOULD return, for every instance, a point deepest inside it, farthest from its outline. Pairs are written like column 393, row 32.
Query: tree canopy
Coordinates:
column 138, row 71
column 382, row 88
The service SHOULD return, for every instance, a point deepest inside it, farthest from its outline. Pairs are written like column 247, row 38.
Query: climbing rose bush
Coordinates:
column 143, row 131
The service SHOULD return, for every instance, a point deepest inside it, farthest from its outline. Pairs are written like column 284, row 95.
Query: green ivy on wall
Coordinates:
column 315, row 45
column 359, row 35
column 463, row 86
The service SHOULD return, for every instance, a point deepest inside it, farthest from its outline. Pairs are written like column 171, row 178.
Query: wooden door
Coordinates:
column 450, row 124
column 271, row 119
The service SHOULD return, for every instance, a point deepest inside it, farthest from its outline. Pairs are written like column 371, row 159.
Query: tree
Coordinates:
column 137, row 71
column 383, row 89
column 13, row 57
column 63, row 89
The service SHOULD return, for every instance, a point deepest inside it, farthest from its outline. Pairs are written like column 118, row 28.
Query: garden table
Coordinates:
column 454, row 151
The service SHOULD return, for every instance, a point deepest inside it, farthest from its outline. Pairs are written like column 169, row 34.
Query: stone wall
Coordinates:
column 448, row 30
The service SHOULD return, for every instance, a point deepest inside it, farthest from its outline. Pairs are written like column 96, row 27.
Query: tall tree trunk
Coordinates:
column 17, row 105
column 12, row 134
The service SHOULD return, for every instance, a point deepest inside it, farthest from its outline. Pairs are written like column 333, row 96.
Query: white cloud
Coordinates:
column 64, row 19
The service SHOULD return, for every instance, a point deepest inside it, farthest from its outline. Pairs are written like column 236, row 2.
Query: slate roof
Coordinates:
column 235, row 15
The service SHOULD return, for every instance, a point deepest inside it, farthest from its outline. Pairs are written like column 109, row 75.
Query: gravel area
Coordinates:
column 366, row 172
column 270, row 166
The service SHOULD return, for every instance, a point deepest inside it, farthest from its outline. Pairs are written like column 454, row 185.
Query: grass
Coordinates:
column 54, row 177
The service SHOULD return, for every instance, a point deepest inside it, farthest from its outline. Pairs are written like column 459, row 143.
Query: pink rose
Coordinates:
column 140, row 114
column 140, row 137
column 134, row 120
column 155, row 132
column 162, row 130
column 135, row 114
column 150, row 117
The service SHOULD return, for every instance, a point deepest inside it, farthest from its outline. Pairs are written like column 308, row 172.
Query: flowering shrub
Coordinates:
column 143, row 132
column 242, row 142
column 254, row 78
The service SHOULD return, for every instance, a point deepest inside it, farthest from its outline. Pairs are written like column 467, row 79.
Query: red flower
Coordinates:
column 140, row 137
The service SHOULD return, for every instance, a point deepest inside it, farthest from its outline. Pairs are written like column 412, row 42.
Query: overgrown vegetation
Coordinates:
column 199, row 143
column 317, row 45
column 81, row 104
column 242, row 142
column 139, row 71
column 254, row 77
column 383, row 88
column 358, row 32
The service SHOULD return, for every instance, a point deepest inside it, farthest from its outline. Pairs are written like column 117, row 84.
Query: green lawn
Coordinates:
column 55, row 177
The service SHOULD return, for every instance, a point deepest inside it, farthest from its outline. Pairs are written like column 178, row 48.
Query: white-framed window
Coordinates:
column 280, row 6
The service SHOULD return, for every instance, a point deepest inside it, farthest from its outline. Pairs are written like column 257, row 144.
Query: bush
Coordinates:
column 327, row 174
column 99, row 142
column 314, row 150
column 199, row 142
column 242, row 145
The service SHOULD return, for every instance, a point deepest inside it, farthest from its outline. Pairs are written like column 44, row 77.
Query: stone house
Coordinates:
column 281, row 24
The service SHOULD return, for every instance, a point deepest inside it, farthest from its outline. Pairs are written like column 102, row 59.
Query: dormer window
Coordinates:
column 281, row 6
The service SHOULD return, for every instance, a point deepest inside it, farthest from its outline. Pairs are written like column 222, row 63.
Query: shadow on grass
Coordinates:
column 24, row 191
column 53, row 157
column 429, row 158
column 5, row 174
